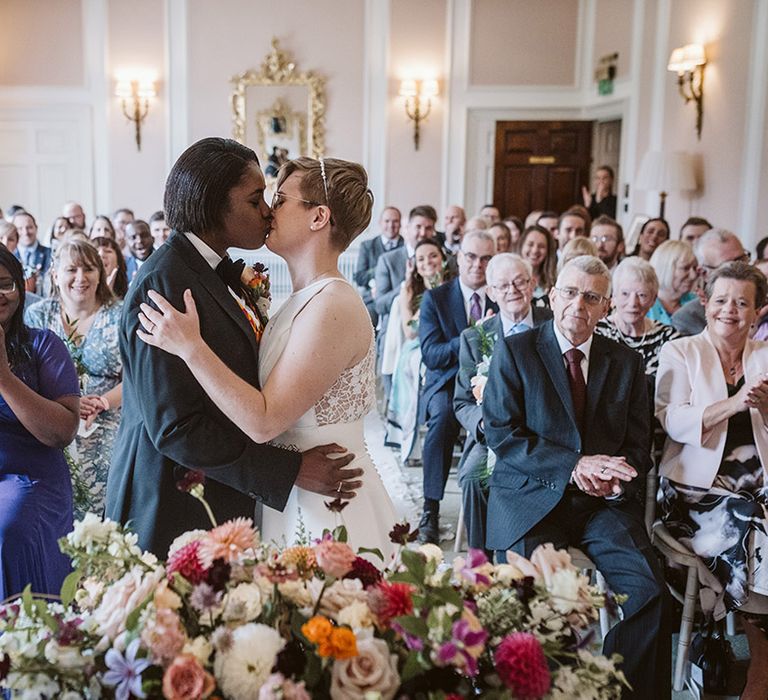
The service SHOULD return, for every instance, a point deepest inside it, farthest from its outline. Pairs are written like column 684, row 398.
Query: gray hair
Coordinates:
column 666, row 256
column 638, row 268
column 502, row 260
column 741, row 271
column 477, row 236
column 719, row 235
column 589, row 265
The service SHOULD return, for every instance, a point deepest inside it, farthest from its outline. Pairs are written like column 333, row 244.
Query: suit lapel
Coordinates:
column 549, row 352
column 599, row 365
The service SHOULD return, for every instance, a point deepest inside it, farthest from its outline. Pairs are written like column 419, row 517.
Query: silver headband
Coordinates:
column 325, row 181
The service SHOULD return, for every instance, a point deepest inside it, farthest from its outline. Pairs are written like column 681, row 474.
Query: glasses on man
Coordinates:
column 590, row 298
column 7, row 288
column 472, row 258
column 279, row 197
column 520, row 284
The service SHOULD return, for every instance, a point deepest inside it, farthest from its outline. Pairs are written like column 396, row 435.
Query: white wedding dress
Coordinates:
column 336, row 418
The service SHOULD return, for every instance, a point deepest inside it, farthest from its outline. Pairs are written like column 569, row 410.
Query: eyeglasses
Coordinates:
column 590, row 298
column 603, row 239
column 521, row 285
column 278, row 197
column 472, row 258
column 7, row 288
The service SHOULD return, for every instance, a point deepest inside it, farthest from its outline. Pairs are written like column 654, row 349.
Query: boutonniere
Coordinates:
column 255, row 283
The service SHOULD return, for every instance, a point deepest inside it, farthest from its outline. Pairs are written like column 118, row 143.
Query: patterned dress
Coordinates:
column 100, row 355
column 726, row 525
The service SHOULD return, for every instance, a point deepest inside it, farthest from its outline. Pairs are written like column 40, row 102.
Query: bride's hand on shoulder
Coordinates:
column 167, row 328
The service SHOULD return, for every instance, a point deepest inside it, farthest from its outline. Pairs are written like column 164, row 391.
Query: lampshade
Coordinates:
column 686, row 58
column 662, row 171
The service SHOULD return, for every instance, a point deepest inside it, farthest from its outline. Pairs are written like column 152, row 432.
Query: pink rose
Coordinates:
column 335, row 558
column 186, row 679
column 373, row 670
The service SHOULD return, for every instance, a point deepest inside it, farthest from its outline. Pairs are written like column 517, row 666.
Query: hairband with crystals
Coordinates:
column 325, row 181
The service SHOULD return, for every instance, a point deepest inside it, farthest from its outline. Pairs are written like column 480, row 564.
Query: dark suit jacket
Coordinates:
column 368, row 255
column 465, row 406
column 169, row 422
column 442, row 318
column 530, row 425
column 40, row 260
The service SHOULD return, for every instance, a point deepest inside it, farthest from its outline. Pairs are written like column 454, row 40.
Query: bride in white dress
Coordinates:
column 316, row 357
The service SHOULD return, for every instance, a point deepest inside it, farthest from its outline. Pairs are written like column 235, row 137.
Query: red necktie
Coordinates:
column 573, row 357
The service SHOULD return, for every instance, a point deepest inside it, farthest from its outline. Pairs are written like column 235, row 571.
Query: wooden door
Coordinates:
column 540, row 165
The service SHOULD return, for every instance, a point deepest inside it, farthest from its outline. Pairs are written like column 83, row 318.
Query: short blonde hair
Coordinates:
column 344, row 190
column 666, row 256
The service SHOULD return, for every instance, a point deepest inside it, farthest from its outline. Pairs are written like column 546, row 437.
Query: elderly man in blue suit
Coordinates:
column 510, row 285
column 566, row 413
column 445, row 312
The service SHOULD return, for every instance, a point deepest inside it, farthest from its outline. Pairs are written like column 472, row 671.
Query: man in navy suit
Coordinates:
column 371, row 250
column 510, row 285
column 566, row 413
column 34, row 256
column 445, row 312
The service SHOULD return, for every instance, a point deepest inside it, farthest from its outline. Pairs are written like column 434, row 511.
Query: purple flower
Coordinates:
column 125, row 672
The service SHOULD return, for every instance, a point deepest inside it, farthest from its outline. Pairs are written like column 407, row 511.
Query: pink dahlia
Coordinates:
column 186, row 561
column 522, row 666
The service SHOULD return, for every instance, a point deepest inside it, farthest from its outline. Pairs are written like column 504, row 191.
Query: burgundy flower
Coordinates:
column 365, row 572
column 401, row 534
column 390, row 600
column 186, row 562
column 522, row 666
column 192, row 478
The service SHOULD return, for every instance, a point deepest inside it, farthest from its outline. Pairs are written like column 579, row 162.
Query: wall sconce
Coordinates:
column 418, row 102
column 134, row 94
column 688, row 62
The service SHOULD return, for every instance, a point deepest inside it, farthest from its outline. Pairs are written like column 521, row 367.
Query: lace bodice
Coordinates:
column 352, row 394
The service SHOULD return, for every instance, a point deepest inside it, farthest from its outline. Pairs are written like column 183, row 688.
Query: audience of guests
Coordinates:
column 608, row 235
column 539, row 249
column 159, row 229
column 84, row 313
column 566, row 413
column 402, row 351
column 601, row 202
column 371, row 250
column 510, row 285
column 715, row 247
column 102, row 227
column 693, row 229
column 39, row 407
column 677, row 270
column 652, row 234
column 712, row 400
column 501, row 237
column 114, row 264
column 444, row 313
column 139, row 240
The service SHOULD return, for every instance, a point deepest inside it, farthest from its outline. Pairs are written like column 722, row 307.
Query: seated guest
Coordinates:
column 402, row 352
column 653, row 233
column 34, row 256
column 608, row 236
column 539, row 249
column 693, row 229
column 371, row 250
column 573, row 249
column 102, row 227
column 444, row 313
column 566, row 412
column 712, row 399
column 139, row 240
column 39, row 408
column 84, row 312
column 510, row 285
column 601, row 202
column 516, row 228
column 114, row 264
column 677, row 270
column 501, row 237
column 159, row 229
column 715, row 247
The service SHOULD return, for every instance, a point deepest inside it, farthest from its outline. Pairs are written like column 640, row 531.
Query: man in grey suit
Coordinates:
column 371, row 250
column 715, row 247
column 510, row 285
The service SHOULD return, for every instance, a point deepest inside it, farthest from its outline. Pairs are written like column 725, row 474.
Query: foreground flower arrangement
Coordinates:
column 231, row 617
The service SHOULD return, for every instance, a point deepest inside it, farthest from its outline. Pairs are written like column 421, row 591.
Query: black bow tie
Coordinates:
column 230, row 271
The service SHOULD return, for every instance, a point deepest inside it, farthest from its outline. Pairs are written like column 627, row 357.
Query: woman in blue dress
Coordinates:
column 39, row 409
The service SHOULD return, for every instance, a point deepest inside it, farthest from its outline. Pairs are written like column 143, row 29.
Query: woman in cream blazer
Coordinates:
column 712, row 401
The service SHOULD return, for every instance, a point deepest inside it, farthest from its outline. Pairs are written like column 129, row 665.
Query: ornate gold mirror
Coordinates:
column 279, row 111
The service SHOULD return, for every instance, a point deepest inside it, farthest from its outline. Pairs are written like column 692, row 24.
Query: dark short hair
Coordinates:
column 744, row 272
column 157, row 216
column 198, row 186
column 16, row 335
column 424, row 210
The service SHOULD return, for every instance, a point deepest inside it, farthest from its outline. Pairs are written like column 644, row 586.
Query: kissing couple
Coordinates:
column 274, row 415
